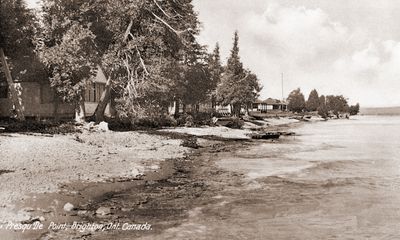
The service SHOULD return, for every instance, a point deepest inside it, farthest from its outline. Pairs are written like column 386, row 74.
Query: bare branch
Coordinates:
column 142, row 62
column 165, row 23
column 128, row 30
column 162, row 10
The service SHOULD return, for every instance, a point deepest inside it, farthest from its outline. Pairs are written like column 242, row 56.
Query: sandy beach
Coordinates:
column 134, row 176
column 37, row 164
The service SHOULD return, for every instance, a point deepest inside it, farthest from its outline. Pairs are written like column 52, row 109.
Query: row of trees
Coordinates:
column 331, row 103
column 147, row 49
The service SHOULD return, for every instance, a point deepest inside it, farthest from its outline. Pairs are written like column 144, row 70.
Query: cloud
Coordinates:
column 310, row 47
column 297, row 33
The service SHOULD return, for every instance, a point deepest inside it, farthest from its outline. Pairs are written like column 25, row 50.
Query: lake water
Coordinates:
column 338, row 179
column 334, row 180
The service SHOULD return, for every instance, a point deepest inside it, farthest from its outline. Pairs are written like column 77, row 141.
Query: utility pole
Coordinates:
column 282, row 92
column 282, row 86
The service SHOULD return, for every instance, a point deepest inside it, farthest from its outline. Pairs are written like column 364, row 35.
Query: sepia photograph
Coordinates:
column 199, row 119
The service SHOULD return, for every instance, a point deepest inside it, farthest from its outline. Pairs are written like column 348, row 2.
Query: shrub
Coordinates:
column 190, row 143
column 236, row 123
column 154, row 121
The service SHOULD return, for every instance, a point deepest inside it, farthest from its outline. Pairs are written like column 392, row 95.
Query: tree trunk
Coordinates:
column 236, row 110
column 113, row 111
column 184, row 108
column 13, row 91
column 55, row 111
column 80, row 110
column 176, row 114
column 104, row 100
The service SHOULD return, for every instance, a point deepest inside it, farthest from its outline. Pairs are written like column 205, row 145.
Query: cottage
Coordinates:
column 39, row 100
column 269, row 104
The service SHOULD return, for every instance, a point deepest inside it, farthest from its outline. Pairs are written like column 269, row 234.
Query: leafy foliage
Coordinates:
column 18, row 28
column 142, row 46
column 70, row 62
column 238, row 87
column 296, row 101
column 337, row 104
column 216, row 70
column 354, row 109
column 148, row 37
column 312, row 103
column 198, row 84
column 322, row 108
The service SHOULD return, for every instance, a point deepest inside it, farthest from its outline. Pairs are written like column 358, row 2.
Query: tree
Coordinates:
column 322, row 108
column 312, row 103
column 17, row 30
column 238, row 86
column 337, row 104
column 216, row 70
column 72, row 65
column 70, row 49
column 148, row 67
column 138, row 42
column 354, row 109
column 296, row 101
column 198, row 84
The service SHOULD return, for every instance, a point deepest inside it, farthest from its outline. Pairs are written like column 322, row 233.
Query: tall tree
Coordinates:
column 296, row 101
column 337, row 104
column 216, row 70
column 238, row 86
column 198, row 85
column 69, row 49
column 148, row 67
column 312, row 103
column 72, row 66
column 138, row 43
column 322, row 108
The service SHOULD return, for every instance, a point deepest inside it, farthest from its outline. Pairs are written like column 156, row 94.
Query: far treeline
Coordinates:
column 324, row 105
column 147, row 50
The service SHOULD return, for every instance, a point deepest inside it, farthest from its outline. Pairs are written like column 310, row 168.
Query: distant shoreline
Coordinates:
column 386, row 111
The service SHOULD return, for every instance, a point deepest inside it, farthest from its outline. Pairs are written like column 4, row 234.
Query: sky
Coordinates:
column 348, row 47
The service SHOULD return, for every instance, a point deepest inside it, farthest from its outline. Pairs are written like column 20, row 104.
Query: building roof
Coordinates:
column 272, row 101
column 100, row 77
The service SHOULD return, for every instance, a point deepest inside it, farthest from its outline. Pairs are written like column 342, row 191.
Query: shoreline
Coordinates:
column 80, row 192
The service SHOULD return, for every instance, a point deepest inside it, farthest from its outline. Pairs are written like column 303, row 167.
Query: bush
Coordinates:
column 235, row 123
column 44, row 127
column 190, row 143
column 196, row 119
column 154, row 122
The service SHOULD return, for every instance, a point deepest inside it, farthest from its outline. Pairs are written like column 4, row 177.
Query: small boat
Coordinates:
column 267, row 135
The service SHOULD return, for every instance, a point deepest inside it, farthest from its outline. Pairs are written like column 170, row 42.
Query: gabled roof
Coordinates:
column 271, row 101
column 100, row 77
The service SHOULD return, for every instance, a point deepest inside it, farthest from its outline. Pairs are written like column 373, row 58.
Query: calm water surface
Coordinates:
column 338, row 179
